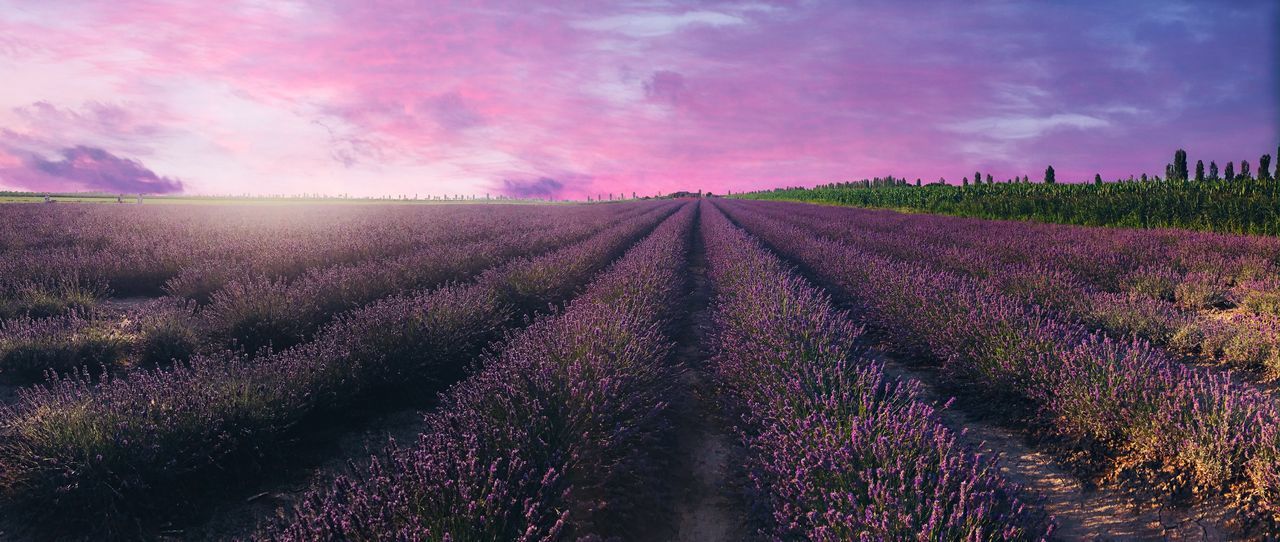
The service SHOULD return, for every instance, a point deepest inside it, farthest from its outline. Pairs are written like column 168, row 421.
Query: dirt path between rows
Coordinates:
column 708, row 497
column 1082, row 512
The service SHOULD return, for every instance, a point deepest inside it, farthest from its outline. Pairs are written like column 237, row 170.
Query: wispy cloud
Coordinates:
column 386, row 96
column 1024, row 127
column 655, row 23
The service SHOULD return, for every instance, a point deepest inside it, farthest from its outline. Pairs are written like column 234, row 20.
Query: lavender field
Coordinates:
column 689, row 369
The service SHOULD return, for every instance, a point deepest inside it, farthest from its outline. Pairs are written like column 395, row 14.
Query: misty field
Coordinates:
column 695, row 369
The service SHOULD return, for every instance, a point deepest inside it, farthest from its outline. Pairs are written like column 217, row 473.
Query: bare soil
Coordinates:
column 1082, row 510
column 708, row 497
column 123, row 304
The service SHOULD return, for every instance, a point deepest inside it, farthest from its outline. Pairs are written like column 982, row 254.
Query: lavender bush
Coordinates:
column 838, row 451
column 1168, row 287
column 550, row 440
column 255, row 312
column 105, row 456
column 1132, row 403
column 63, row 257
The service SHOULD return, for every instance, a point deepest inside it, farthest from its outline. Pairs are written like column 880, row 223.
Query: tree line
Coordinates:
column 1231, row 199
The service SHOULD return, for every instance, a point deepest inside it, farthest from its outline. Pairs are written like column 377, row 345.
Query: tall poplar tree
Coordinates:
column 1179, row 165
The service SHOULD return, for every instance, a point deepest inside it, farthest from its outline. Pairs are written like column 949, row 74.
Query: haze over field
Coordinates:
column 569, row 99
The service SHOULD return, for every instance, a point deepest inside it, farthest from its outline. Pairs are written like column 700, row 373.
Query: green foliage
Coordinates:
column 1236, row 205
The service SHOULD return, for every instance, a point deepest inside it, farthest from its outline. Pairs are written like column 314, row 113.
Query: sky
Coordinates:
column 567, row 99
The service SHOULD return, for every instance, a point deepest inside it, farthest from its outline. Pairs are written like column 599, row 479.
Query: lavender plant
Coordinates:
column 254, row 312
column 551, row 440
column 838, row 451
column 75, row 454
column 1194, row 429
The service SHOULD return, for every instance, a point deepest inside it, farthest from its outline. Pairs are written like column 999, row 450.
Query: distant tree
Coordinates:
column 1244, row 170
column 990, row 180
column 1199, row 170
column 1213, row 170
column 917, row 181
column 1026, row 179
column 1097, row 178
column 964, row 182
column 1168, row 171
column 1264, row 167
column 1230, row 173
column 1048, row 175
column 1179, row 165
column 1144, row 177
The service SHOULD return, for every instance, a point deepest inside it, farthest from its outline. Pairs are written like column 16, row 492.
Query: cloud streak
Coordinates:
column 389, row 96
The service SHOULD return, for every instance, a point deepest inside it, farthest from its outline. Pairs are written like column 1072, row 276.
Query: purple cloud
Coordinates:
column 666, row 86
column 641, row 96
column 452, row 112
column 543, row 187
column 84, row 168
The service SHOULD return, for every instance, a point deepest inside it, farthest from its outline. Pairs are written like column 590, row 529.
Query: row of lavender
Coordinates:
column 256, row 311
column 555, row 438
column 55, row 259
column 838, row 451
column 1121, row 400
column 1211, row 297
column 108, row 456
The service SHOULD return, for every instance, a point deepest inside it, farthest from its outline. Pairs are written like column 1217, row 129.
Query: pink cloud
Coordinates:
column 641, row 96
column 665, row 86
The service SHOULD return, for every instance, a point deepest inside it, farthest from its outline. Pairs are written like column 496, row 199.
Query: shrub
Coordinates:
column 29, row 347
